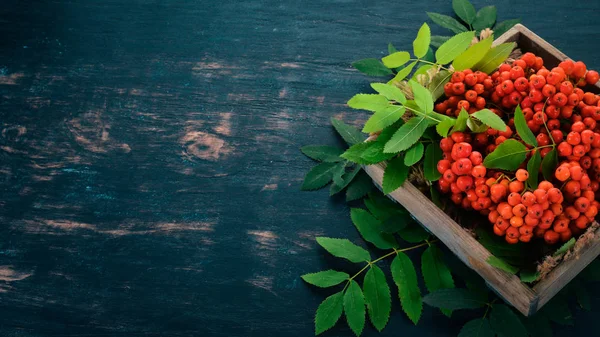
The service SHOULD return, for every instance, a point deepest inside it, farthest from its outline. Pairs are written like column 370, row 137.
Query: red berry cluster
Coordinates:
column 560, row 113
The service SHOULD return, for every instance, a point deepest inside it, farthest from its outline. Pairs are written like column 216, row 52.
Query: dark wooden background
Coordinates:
column 149, row 163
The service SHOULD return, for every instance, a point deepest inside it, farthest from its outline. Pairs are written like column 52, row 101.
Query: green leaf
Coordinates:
column 391, row 92
column 502, row 27
column 435, row 272
column 403, row 72
column 347, row 179
column 338, row 174
column 507, row 156
column 471, row 56
column 413, row 234
column 475, row 126
column 405, row 277
column 502, row 265
column 377, row 297
column 444, row 126
column 465, row 10
column 326, row 278
column 355, row 152
column 523, row 129
column 371, row 102
column 479, row 327
column 490, row 119
column 323, row 153
column 454, row 299
column 384, row 118
column 345, row 249
column 394, row 175
column 414, row 154
column 506, row 323
column 396, row 59
column 369, row 228
column 437, row 40
column 461, row 121
column 407, row 135
column 422, row 96
column 383, row 207
column 533, row 167
column 447, row 22
column 538, row 326
column 329, row 312
column 349, row 133
column 529, row 275
column 354, row 307
column 565, row 247
column 549, row 164
column 436, row 86
column 372, row 67
column 494, row 57
column 421, row 71
column 486, row 17
column 359, row 187
column 391, row 49
column 454, row 47
column 421, row 43
column 396, row 224
column 319, row 176
column 433, row 155
column 374, row 153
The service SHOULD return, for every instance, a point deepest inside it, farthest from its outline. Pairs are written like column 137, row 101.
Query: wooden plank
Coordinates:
column 469, row 250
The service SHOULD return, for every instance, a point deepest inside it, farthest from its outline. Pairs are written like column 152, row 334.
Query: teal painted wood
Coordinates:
column 149, row 159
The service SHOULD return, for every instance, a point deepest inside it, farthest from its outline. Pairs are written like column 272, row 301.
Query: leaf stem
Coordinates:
column 432, row 63
column 422, row 114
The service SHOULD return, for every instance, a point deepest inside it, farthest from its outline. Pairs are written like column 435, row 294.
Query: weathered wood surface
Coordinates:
column 150, row 164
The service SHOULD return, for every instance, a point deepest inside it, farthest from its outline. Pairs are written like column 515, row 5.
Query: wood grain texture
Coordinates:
column 149, row 159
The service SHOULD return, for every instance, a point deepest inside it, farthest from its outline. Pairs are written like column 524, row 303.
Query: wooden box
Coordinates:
column 527, row 300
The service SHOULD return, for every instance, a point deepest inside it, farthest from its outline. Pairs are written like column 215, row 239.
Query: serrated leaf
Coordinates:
column 345, row 249
column 405, row 277
column 359, row 187
column 346, row 178
column 502, row 265
column 444, row 126
column 325, row 278
column 533, row 167
column 403, row 73
column 391, row 49
column 338, row 174
column 472, row 55
column 407, row 135
column 502, row 27
column 433, row 155
column 494, row 57
column 538, row 326
column 383, row 207
column 479, row 327
column 506, row 323
column 436, row 87
column 319, row 176
column 391, row 92
column 447, row 52
column 355, row 152
column 384, row 118
column 465, row 10
column 475, row 126
column 490, row 119
column 369, row 228
column 354, row 307
column 461, row 121
column 329, row 312
column 350, row 134
column 529, row 275
column 437, row 40
column 454, row 299
column 486, row 17
column 394, row 175
column 549, row 164
column 377, row 297
column 435, row 272
column 565, row 247
column 374, row 153
column 371, row 102
column 413, row 234
column 414, row 154
column 507, row 156
column 396, row 59
column 372, row 67
column 323, row 153
column 421, row 42
column 395, row 224
column 523, row 129
column 447, row 22
column 423, row 97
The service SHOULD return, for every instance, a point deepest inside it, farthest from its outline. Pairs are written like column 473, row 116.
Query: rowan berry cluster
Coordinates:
column 561, row 115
